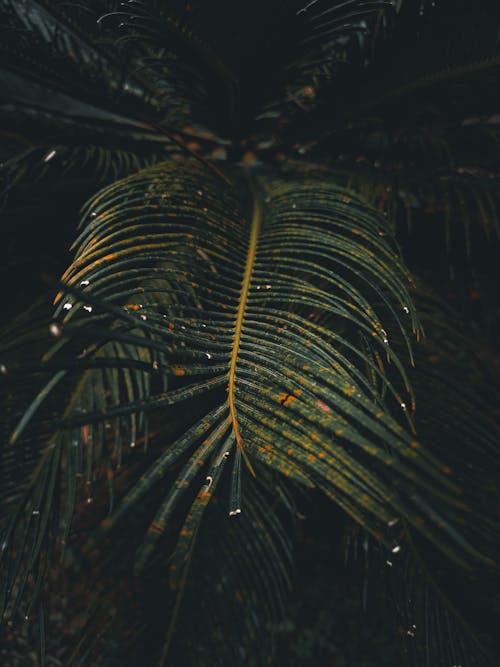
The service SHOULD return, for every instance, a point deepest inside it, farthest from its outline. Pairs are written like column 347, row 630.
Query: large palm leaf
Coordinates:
column 283, row 321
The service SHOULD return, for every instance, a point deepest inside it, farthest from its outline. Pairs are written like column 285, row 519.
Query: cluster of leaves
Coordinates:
column 236, row 332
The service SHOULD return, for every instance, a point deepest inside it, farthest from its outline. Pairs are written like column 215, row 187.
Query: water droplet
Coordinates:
column 406, row 309
column 55, row 329
column 4, row 546
column 392, row 522
column 396, row 549
column 93, row 214
column 403, row 405
column 200, row 192
column 132, row 444
column 84, row 283
column 389, row 563
column 156, row 365
column 49, row 156
column 267, row 286
column 209, row 481
column 35, row 512
column 26, row 618
column 225, row 455
column 208, row 355
column 346, row 200
column 143, row 317
column 89, row 500
column 87, row 308
column 294, row 205
column 385, row 337
column 411, row 631
column 3, row 369
column 235, row 512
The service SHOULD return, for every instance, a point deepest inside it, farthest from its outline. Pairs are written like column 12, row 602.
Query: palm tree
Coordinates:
column 236, row 334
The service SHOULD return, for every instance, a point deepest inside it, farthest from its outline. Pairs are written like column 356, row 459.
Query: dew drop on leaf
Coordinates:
column 49, row 156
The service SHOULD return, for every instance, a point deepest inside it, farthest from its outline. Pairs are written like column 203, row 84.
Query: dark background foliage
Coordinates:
column 397, row 100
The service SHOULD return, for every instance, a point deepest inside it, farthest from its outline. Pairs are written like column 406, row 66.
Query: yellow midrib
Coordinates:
column 238, row 328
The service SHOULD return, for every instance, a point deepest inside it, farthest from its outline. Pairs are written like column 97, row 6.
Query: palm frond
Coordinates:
column 443, row 621
column 254, row 315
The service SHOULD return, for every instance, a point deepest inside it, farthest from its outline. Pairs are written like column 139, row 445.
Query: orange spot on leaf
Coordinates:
column 155, row 528
column 286, row 398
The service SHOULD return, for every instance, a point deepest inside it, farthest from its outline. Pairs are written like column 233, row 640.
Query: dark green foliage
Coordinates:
column 210, row 209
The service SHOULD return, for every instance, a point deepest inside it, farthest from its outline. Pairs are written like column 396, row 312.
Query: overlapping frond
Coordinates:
column 173, row 295
column 457, row 416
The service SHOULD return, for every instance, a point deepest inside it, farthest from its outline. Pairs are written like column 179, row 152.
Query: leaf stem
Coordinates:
column 238, row 328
